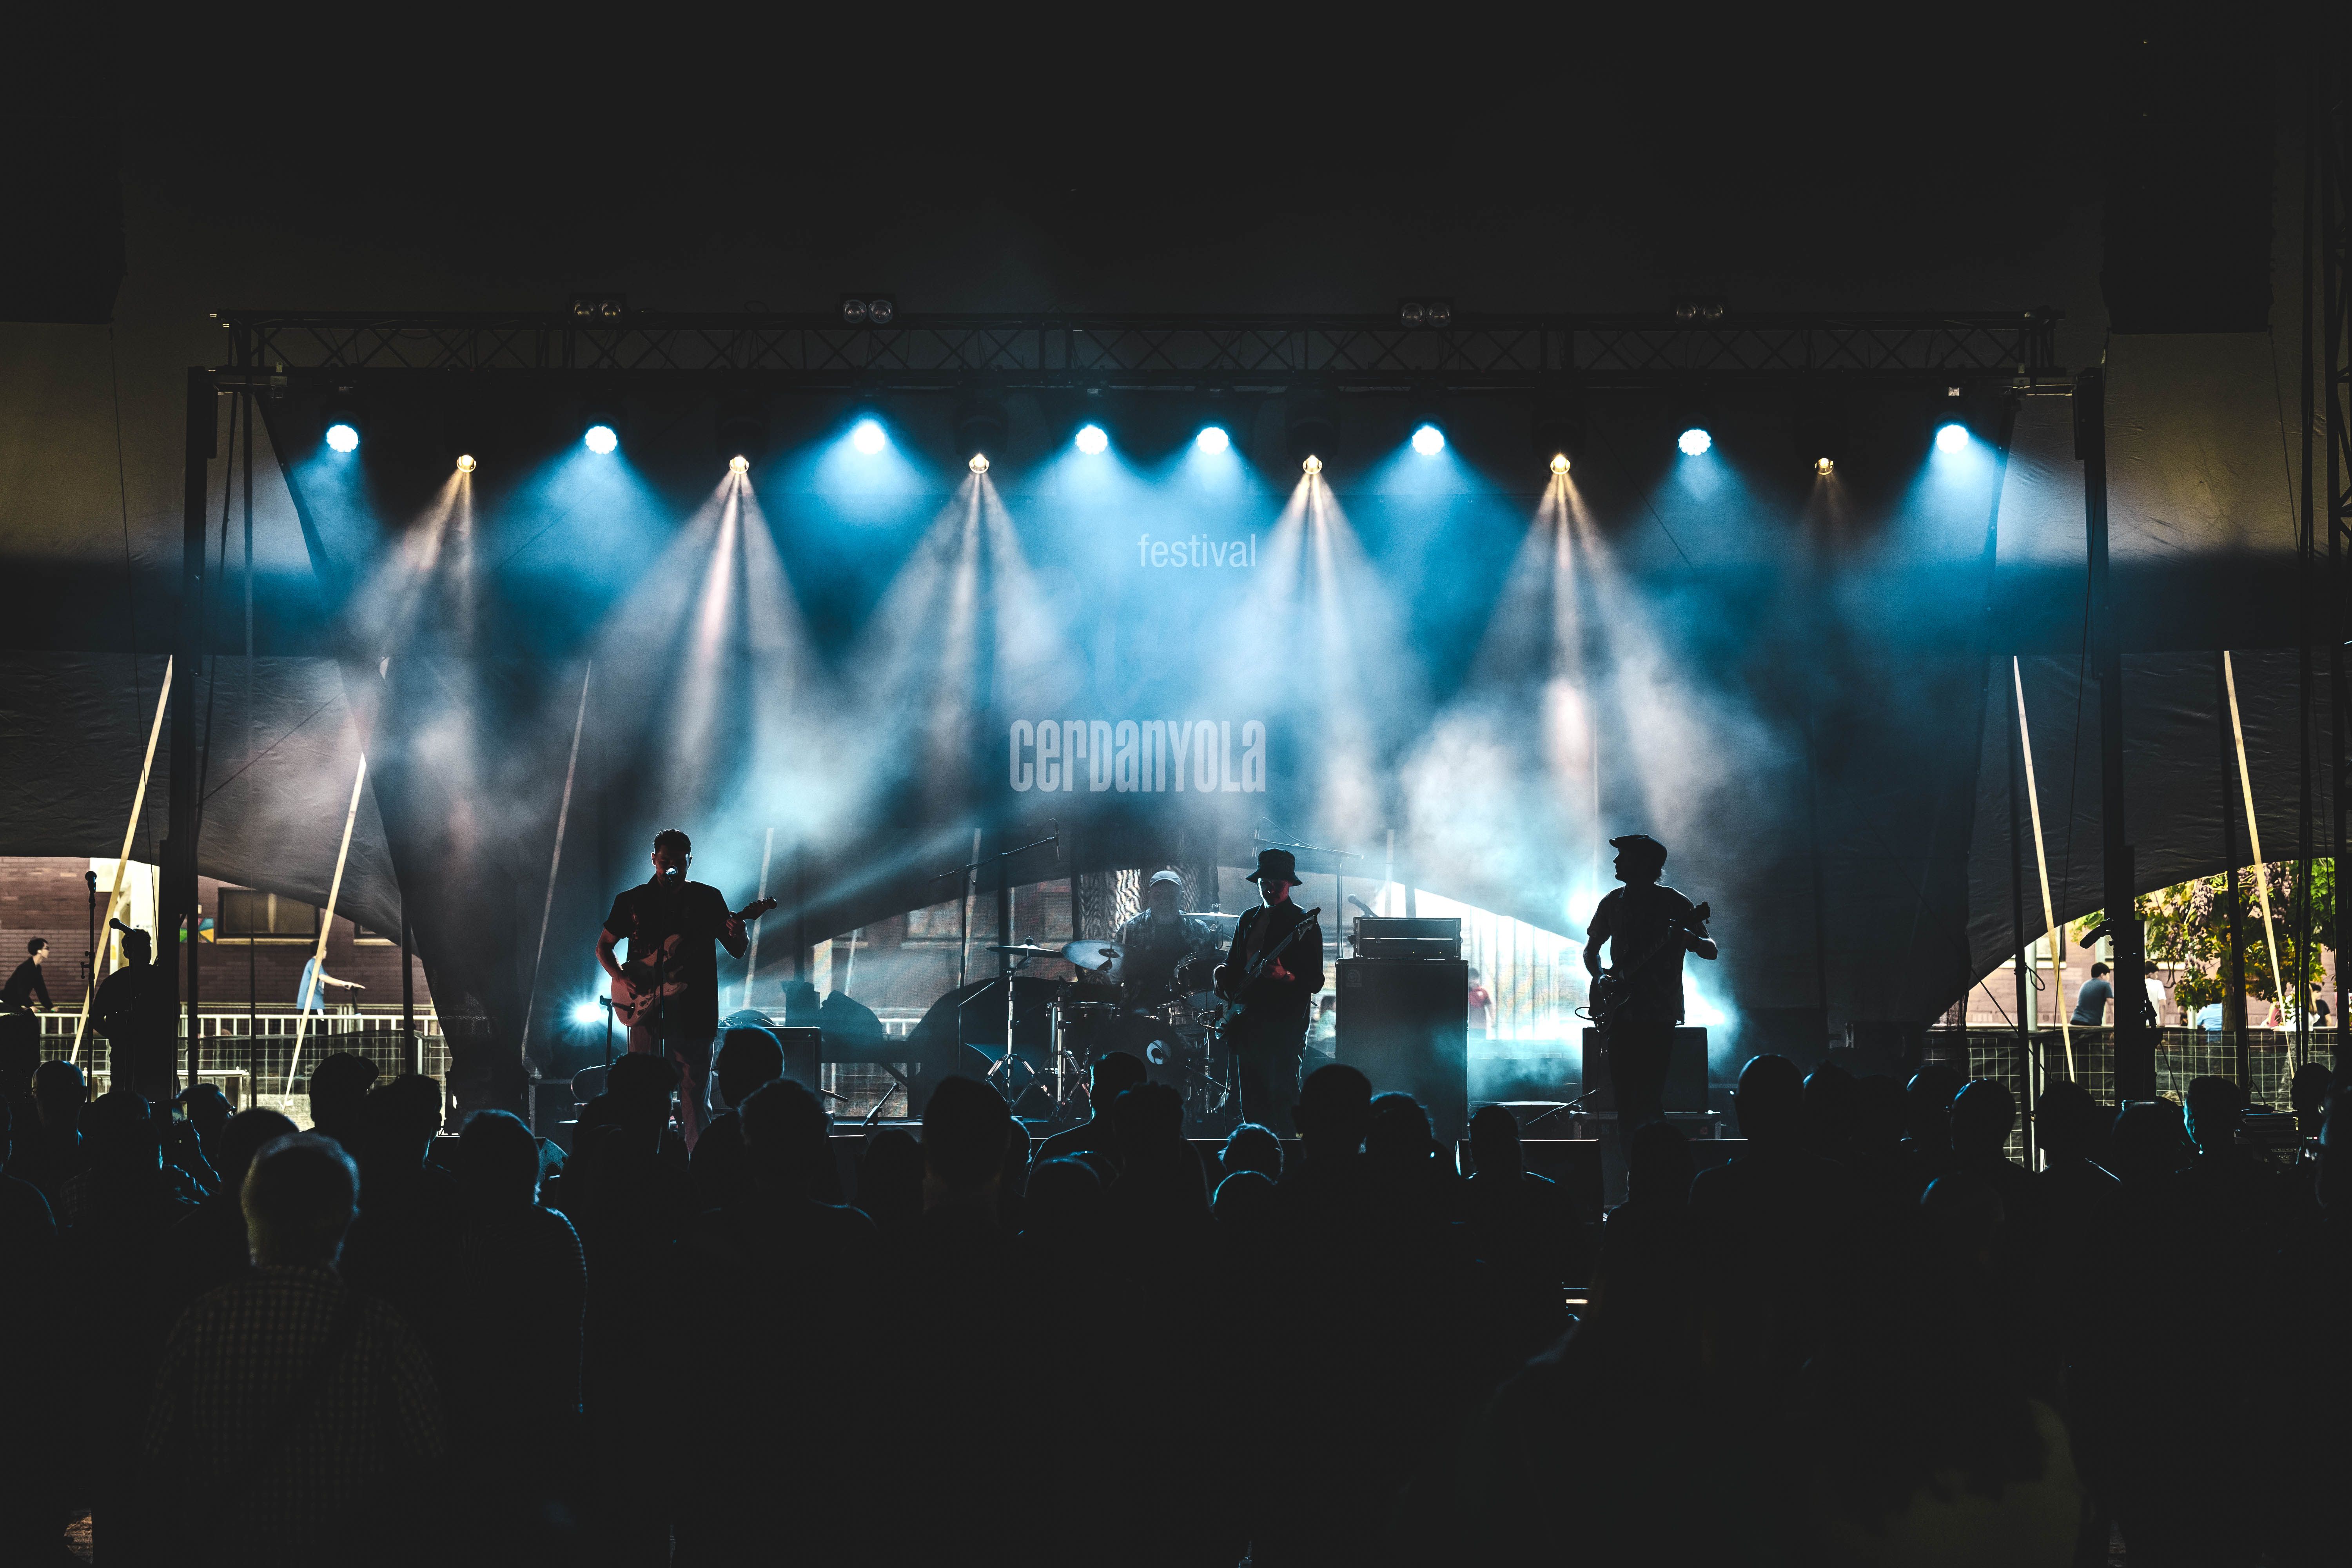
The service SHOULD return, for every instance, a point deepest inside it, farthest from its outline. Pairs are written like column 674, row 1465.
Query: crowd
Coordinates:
column 1870, row 1337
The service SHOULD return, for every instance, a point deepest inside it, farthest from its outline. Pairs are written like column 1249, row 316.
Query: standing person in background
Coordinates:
column 1482, row 1006
column 22, row 1002
column 311, row 995
column 2153, row 1017
column 134, row 1010
column 2091, row 1001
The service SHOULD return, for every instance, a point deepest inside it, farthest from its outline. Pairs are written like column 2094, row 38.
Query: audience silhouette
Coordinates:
column 1869, row 1336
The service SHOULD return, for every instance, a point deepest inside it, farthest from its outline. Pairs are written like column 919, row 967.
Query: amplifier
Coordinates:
column 1406, row 1026
column 1411, row 937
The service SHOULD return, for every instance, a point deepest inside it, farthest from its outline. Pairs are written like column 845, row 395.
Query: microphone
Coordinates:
column 1365, row 908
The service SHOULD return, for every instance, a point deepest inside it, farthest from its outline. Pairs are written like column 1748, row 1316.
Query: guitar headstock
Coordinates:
column 754, row 910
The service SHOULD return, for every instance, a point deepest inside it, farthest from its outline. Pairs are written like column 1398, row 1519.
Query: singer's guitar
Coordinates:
column 1264, row 961
column 1613, row 986
column 645, row 979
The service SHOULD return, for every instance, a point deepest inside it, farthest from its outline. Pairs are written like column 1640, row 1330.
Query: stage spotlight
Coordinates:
column 601, row 440
column 1212, row 440
column 1412, row 313
column 1559, row 464
column 1951, row 437
column 867, row 436
column 1312, row 466
column 343, row 436
column 466, row 463
column 1092, row 441
column 1825, row 467
column 739, row 463
column 1428, row 440
column 1694, row 442
column 588, row 1010
column 979, row 464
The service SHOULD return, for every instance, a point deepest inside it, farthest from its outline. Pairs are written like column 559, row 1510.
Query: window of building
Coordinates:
column 249, row 915
column 939, row 922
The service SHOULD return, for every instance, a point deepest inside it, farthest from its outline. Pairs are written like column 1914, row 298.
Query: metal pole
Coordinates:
column 2305, row 585
column 2017, row 934
column 2234, row 1004
column 408, row 992
column 2135, row 1052
column 178, row 904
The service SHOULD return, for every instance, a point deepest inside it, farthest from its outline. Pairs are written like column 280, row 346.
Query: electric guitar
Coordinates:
column 1265, row 960
column 1613, row 986
column 644, row 980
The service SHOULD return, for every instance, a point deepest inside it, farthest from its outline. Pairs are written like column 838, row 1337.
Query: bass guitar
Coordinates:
column 1264, row 961
column 1613, row 986
column 646, row 978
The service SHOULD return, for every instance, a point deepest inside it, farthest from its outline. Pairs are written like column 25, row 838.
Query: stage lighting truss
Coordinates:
column 1289, row 356
column 869, row 310
column 1434, row 315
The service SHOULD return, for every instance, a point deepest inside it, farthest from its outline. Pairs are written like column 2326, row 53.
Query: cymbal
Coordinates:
column 1092, row 954
column 1026, row 950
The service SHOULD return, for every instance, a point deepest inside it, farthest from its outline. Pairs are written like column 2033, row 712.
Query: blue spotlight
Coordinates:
column 344, row 437
column 1212, row 440
column 1428, row 440
column 601, row 440
column 1952, row 437
column 1092, row 440
column 1694, row 442
column 588, row 1010
column 867, row 436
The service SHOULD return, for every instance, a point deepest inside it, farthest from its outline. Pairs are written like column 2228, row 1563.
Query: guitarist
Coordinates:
column 679, row 920
column 1644, row 917
column 1267, row 1040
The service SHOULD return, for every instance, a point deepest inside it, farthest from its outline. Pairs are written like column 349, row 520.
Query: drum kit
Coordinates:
column 1172, row 1027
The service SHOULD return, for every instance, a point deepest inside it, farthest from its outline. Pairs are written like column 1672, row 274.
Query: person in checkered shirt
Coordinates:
column 294, row 1419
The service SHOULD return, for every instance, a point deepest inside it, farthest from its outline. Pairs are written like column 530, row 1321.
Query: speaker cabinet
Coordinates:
column 1405, row 1025
column 1686, row 1073
column 804, row 1055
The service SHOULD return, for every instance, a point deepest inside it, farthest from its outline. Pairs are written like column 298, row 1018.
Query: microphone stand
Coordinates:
column 966, row 871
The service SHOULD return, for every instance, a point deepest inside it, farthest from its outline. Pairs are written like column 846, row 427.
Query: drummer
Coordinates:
column 1154, row 942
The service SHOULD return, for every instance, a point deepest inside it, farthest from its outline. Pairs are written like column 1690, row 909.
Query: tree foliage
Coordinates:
column 2189, row 924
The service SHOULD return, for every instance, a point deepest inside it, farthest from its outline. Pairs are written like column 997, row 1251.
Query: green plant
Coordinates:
column 2188, row 923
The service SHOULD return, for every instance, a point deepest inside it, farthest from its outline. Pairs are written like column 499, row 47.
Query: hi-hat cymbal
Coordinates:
column 1092, row 954
column 1026, row 950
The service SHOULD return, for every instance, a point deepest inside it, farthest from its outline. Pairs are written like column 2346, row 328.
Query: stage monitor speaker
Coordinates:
column 1686, row 1073
column 1405, row 1025
column 803, row 1054
column 804, row 1049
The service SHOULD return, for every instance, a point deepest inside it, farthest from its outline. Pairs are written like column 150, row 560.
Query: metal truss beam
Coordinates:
column 1239, row 352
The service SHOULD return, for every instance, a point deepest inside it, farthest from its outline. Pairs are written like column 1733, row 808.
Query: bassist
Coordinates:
column 1269, row 1038
column 675, row 922
column 1648, row 924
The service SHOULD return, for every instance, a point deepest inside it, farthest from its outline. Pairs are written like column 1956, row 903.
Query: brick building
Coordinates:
column 260, row 941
